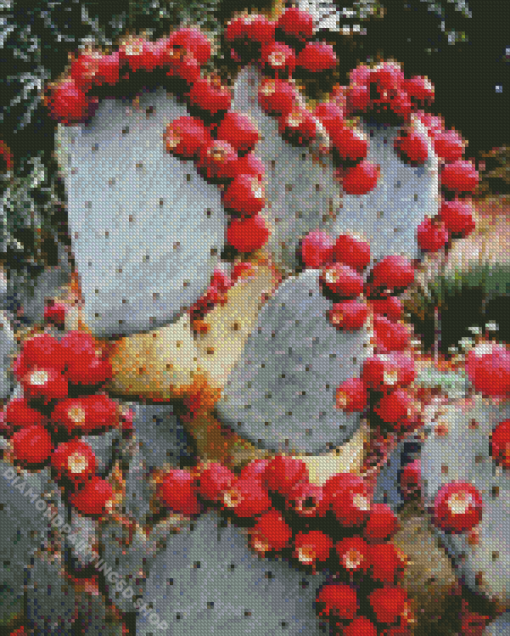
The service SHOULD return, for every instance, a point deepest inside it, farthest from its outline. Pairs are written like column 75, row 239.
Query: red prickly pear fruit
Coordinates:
column 240, row 131
column 271, row 532
column 86, row 363
column 388, row 76
column 361, row 178
column 251, row 165
column 245, row 195
column 350, row 144
column 247, row 235
column 358, row 99
column 213, row 481
column 217, row 161
column 337, row 601
column 360, row 75
column 349, row 315
column 381, row 525
column 360, row 626
column 94, row 498
column 259, row 29
column 247, row 497
column 459, row 176
column 457, row 507
column 138, row 54
column 385, row 563
column 181, row 65
column 410, row 479
column 431, row 235
column 283, row 473
column 44, row 383
column 305, row 499
column 108, row 71
column 208, row 94
column 410, row 146
column 73, row 461
column 32, row 445
column 312, row 547
column 449, row 145
column 317, row 57
column 185, row 136
column 457, row 216
column 500, row 444
column 397, row 407
column 316, row 249
column 276, row 96
column 296, row 23
column 389, row 603
column 386, row 372
column 391, row 307
column 353, row 554
column 336, row 484
column 432, row 123
column 390, row 336
column 18, row 414
column 420, row 89
column 342, row 280
column 55, row 313
column 235, row 29
column 254, row 469
column 488, row 368
column 278, row 59
column 352, row 251
column 42, row 350
column 298, row 127
column 84, row 68
column 86, row 414
column 193, row 40
column 351, row 505
column 178, row 492
column 68, row 103
column 242, row 269
column 330, row 115
column 352, row 396
column 392, row 273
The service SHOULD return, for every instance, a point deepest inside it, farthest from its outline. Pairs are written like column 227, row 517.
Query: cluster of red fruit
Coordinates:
column 488, row 368
column 58, row 407
column 333, row 526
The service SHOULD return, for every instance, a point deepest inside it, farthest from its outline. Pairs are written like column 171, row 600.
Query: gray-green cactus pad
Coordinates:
column 463, row 454
column 281, row 394
column 146, row 229
column 499, row 627
column 302, row 194
column 8, row 346
column 207, row 581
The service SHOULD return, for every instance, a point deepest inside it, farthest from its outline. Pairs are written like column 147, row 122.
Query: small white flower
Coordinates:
column 466, row 343
column 491, row 326
column 475, row 330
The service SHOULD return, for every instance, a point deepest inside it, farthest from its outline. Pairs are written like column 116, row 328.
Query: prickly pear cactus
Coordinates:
column 208, row 581
column 7, row 348
column 146, row 230
column 498, row 627
column 457, row 449
column 281, row 393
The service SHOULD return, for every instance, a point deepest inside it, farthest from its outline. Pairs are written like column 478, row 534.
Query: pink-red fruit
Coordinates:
column 245, row 195
column 178, row 492
column 459, row 176
column 500, row 444
column 185, row 136
column 32, row 445
column 349, row 315
column 74, row 461
column 389, row 604
column 352, row 396
column 247, row 497
column 247, row 235
column 296, row 23
column 312, row 547
column 352, row 251
column 240, row 131
column 317, row 57
column 457, row 507
column 271, row 532
column 337, row 601
column 214, row 480
column 283, row 473
column 488, row 368
column 361, row 178
column 353, row 554
column 93, row 498
column 316, row 249
column 342, row 280
column 382, row 523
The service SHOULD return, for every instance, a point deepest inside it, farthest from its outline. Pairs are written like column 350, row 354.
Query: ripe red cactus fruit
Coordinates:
column 488, row 368
column 337, row 601
column 296, row 23
column 245, row 195
column 350, row 143
column 209, row 95
column 352, row 251
column 457, row 507
column 18, row 414
column 86, row 414
column 42, row 350
column 390, row 336
column 94, row 498
column 336, row 484
column 271, row 532
column 217, row 161
column 351, row 505
column 44, row 383
column 433, row 123
column 305, row 499
column 391, row 307
column 388, row 76
column 185, row 136
column 259, row 29
column 214, row 479
column 73, row 461
column 358, row 99
column 235, row 30
column 68, row 103
column 360, row 75
column 342, row 280
column 247, row 497
column 360, row 626
column 178, row 492
column 55, row 313
column 431, row 235
column 316, row 249
column 500, row 444
column 84, row 68
column 386, row 562
column 411, row 147
column 353, row 554
column 398, row 407
column 387, row 371
column 108, row 71
column 86, row 363
column 254, row 469
column 138, row 54
column 283, row 473
column 381, row 525
column 420, row 89
column 361, row 179
column 392, row 273
column 240, row 131
column 312, row 547
column 458, row 216
column 298, row 126
column 352, row 396
column 389, row 604
column 32, row 445
column 317, row 57
column 349, row 315
column 250, row 164
column 449, row 145
column 276, row 96
column 410, row 479
column 181, row 64
column 247, row 235
column 330, row 115
column 277, row 59
column 193, row 40
column 459, row 176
